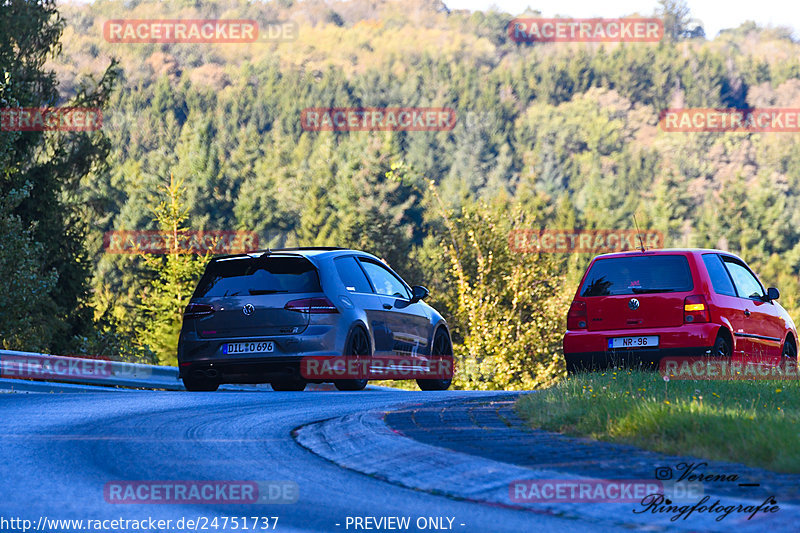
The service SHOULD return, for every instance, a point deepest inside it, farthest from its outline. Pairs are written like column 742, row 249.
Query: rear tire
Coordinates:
column 289, row 385
column 357, row 345
column 200, row 385
column 442, row 346
column 789, row 349
column 722, row 347
column 350, row 384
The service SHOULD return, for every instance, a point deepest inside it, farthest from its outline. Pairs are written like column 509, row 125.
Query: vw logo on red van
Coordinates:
column 633, row 303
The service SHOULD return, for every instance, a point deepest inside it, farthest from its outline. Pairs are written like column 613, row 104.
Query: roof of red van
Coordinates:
column 664, row 251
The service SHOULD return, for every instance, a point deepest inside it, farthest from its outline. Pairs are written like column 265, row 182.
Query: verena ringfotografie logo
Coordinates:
column 572, row 241
column 195, row 242
column 201, row 492
column 378, row 118
column 50, row 119
column 595, row 30
column 696, row 474
column 704, row 368
column 658, row 504
column 598, row 490
column 377, row 367
column 764, row 120
column 196, row 31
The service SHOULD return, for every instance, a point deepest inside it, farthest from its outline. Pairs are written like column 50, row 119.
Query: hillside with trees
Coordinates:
column 549, row 135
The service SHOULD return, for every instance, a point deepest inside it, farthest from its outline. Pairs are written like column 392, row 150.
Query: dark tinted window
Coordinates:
column 351, row 274
column 720, row 279
column 267, row 275
column 638, row 275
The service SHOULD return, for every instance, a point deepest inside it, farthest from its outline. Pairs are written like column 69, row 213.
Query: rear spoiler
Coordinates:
column 254, row 254
column 281, row 251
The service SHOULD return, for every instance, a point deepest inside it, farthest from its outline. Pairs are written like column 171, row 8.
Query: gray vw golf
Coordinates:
column 297, row 315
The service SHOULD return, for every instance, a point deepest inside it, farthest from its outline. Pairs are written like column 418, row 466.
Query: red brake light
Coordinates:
column 314, row 306
column 695, row 309
column 577, row 316
column 197, row 311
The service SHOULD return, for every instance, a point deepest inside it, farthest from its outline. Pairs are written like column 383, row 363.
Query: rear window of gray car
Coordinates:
column 247, row 276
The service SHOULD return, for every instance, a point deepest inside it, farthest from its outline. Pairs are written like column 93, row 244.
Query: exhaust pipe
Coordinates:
column 212, row 373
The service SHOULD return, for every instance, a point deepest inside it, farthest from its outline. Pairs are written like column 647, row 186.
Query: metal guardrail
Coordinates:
column 46, row 367
column 71, row 372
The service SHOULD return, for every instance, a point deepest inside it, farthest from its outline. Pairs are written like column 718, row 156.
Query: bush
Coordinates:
column 509, row 311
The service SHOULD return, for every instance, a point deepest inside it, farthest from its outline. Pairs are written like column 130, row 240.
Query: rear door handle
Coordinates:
column 387, row 306
column 746, row 312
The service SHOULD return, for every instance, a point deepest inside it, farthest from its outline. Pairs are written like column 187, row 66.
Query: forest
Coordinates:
column 209, row 137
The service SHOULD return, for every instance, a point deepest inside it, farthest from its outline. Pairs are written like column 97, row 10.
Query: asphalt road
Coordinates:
column 58, row 452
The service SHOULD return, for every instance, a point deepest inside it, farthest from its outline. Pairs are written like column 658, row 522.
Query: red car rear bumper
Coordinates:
column 589, row 349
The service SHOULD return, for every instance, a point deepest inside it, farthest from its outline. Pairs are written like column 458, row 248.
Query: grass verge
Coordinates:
column 756, row 423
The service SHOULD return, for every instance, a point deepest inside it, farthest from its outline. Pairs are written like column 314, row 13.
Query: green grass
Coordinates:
column 752, row 422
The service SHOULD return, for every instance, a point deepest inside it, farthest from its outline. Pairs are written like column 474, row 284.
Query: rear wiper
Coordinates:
column 264, row 291
column 637, row 290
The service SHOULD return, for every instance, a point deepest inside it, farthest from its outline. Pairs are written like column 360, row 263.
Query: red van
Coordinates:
column 638, row 307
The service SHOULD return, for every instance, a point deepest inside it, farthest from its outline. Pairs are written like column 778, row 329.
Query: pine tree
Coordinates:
column 173, row 278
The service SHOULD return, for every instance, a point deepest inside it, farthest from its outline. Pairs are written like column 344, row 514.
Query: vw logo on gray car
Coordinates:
column 633, row 303
column 248, row 309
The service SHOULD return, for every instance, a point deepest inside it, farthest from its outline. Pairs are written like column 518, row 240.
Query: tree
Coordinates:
column 505, row 312
column 509, row 310
column 42, row 175
column 676, row 15
column 173, row 278
column 27, row 285
column 571, row 133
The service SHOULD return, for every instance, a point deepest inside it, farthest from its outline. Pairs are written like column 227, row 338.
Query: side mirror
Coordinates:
column 773, row 294
column 418, row 292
